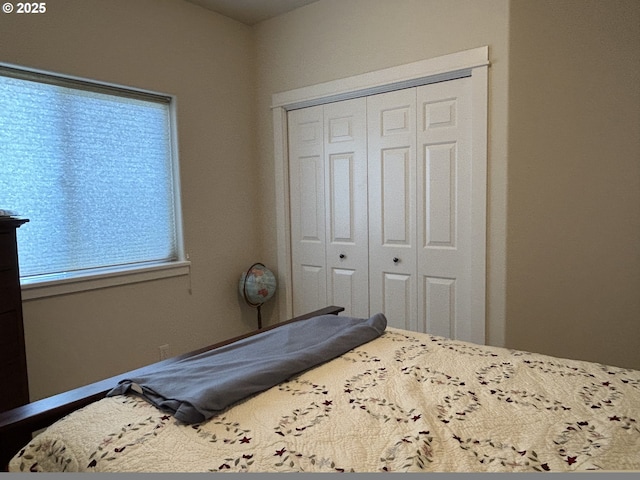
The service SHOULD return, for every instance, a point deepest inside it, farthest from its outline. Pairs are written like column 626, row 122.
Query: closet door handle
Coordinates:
column 396, row 259
column 342, row 256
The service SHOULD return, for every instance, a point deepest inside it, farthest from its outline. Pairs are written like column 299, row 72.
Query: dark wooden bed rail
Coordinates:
column 18, row 424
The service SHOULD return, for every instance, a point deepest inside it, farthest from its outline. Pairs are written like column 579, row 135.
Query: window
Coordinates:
column 93, row 167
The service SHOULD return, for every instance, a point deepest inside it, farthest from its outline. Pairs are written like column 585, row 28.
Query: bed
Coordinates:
column 400, row 402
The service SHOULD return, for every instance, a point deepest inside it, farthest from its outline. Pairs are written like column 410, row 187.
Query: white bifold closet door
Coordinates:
column 445, row 210
column 328, row 189
column 381, row 207
column 391, row 123
column 420, row 207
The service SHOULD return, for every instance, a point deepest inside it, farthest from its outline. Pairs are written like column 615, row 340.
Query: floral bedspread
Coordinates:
column 404, row 402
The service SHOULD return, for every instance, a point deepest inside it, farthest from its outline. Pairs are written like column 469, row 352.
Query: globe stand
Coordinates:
column 246, row 297
column 259, row 317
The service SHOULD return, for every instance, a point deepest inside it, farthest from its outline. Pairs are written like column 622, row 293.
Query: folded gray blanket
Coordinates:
column 198, row 387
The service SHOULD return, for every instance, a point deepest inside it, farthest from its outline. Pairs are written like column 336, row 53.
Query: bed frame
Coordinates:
column 17, row 425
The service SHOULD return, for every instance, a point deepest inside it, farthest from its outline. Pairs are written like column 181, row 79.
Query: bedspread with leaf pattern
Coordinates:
column 404, row 402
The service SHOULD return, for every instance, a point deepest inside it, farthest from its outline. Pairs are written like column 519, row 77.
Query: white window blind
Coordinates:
column 92, row 168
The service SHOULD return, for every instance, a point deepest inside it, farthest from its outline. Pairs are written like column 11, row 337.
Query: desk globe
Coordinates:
column 257, row 285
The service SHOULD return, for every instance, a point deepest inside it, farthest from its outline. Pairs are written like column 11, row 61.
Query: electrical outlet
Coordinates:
column 164, row 351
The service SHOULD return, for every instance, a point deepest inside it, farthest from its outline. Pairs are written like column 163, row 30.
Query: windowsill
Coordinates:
column 100, row 278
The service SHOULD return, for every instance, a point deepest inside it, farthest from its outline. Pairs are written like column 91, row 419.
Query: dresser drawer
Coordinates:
column 11, row 338
column 7, row 251
column 14, row 391
column 9, row 291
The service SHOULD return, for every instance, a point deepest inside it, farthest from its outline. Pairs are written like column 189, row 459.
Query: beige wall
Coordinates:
column 333, row 39
column 206, row 60
column 573, row 242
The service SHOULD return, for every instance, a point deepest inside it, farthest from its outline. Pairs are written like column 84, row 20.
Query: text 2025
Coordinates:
column 31, row 7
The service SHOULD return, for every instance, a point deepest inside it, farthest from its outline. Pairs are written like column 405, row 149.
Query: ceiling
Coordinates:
column 251, row 12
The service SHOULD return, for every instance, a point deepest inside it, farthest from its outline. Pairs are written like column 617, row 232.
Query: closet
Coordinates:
column 380, row 199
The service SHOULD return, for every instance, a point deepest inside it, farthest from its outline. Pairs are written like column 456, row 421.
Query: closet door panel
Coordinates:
column 307, row 184
column 438, row 301
column 398, row 299
column 395, row 202
column 346, row 206
column 439, row 182
column 444, row 208
column 344, row 290
column 311, row 289
column 392, row 206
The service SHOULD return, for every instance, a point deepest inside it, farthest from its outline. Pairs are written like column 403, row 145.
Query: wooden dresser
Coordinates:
column 14, row 386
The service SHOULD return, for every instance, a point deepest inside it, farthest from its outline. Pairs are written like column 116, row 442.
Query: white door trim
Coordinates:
column 473, row 63
column 394, row 78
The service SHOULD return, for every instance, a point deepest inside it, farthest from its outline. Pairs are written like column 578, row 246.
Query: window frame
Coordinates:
column 103, row 277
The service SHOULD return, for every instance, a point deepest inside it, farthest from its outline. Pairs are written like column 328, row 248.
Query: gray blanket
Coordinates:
column 198, row 387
